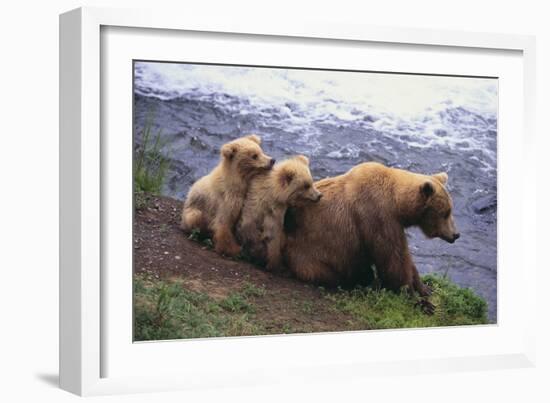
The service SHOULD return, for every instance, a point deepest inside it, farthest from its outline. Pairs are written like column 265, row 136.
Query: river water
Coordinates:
column 425, row 124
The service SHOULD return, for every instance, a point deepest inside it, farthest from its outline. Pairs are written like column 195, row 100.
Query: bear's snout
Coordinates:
column 452, row 238
column 271, row 163
column 314, row 196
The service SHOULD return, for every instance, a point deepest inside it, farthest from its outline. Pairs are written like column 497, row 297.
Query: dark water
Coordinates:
column 453, row 138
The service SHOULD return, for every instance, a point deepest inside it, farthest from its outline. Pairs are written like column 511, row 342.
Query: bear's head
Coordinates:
column 437, row 219
column 246, row 155
column 295, row 184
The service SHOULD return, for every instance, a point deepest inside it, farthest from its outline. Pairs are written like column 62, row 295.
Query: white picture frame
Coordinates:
column 83, row 173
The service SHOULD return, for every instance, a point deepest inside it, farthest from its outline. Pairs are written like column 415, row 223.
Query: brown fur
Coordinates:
column 261, row 226
column 360, row 222
column 214, row 202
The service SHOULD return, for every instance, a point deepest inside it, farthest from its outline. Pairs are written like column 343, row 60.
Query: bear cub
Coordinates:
column 214, row 202
column 261, row 226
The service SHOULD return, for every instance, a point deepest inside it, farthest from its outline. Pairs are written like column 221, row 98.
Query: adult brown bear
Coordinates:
column 361, row 221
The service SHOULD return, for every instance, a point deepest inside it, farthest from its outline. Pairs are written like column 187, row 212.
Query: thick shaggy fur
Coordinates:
column 214, row 202
column 261, row 226
column 360, row 222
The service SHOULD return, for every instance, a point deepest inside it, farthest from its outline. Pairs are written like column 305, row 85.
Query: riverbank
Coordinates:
column 183, row 289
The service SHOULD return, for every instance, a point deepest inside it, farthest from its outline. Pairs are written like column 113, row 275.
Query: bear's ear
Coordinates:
column 442, row 177
column 427, row 189
column 303, row 159
column 286, row 177
column 229, row 151
column 254, row 138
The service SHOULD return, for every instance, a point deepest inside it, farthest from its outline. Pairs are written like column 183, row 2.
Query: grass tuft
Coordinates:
column 252, row 290
column 150, row 164
column 236, row 302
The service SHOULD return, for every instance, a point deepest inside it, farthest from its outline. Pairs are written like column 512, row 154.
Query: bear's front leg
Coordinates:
column 400, row 272
column 225, row 243
column 273, row 236
column 223, row 225
column 395, row 273
column 422, row 289
column 274, row 254
column 394, row 263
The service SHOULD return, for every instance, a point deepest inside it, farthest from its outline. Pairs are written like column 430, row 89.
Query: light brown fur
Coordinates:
column 214, row 202
column 261, row 226
column 360, row 222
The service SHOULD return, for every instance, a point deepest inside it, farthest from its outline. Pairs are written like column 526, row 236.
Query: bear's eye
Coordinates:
column 307, row 186
column 255, row 156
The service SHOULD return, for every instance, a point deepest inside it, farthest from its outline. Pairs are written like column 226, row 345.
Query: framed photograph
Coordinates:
column 237, row 199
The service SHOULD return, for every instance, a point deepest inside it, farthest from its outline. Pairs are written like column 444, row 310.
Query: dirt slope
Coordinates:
column 162, row 250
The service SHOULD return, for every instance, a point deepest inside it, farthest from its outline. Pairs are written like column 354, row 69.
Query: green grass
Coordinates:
column 150, row 164
column 252, row 290
column 236, row 302
column 307, row 307
column 383, row 309
column 165, row 309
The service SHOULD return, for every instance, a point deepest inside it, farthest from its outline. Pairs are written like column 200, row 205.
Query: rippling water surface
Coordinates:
column 426, row 124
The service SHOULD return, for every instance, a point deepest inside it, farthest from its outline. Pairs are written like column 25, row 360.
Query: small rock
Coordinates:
column 177, row 257
column 485, row 204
